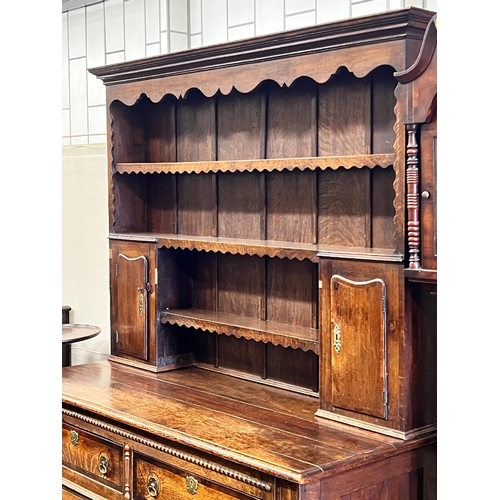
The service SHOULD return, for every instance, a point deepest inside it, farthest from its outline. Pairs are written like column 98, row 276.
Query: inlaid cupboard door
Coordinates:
column 130, row 290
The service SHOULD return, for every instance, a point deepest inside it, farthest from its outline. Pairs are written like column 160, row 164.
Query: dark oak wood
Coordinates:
column 235, row 437
column 272, row 271
column 418, row 93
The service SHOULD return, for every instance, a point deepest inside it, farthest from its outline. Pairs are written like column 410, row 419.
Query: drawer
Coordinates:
column 161, row 481
column 71, row 495
column 97, row 458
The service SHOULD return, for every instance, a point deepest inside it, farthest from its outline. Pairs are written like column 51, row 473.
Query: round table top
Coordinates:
column 77, row 333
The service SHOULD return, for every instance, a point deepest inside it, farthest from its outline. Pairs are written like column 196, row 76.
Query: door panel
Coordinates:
column 358, row 350
column 131, row 326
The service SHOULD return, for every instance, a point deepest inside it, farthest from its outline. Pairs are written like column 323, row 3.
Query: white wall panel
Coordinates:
column 414, row 3
column 178, row 42
column 153, row 49
column 195, row 16
column 76, row 31
column 178, row 15
column 96, row 51
column 196, row 41
column 152, row 22
column 328, row 11
column 96, row 91
column 431, row 5
column 164, row 42
column 78, row 100
column 269, row 16
column 296, row 6
column 163, row 15
column 97, row 120
column 113, row 15
column 300, row 20
column 241, row 32
column 135, row 29
column 371, row 7
column 65, row 125
column 396, row 4
column 240, row 12
column 65, row 62
column 214, row 21
column 115, row 57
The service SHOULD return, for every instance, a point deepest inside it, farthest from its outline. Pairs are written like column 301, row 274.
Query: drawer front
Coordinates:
column 93, row 456
column 71, row 495
column 161, row 481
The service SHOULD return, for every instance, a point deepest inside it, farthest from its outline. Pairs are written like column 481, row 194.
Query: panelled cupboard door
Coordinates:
column 359, row 353
column 359, row 313
column 130, row 301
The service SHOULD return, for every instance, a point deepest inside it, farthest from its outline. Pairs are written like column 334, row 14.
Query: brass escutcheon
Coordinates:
column 73, row 435
column 191, row 485
column 141, row 304
column 337, row 338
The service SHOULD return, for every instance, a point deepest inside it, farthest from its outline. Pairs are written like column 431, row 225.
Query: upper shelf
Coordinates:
column 266, row 165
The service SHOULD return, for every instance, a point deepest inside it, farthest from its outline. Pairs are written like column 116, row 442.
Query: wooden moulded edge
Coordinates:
column 272, row 332
column 261, row 165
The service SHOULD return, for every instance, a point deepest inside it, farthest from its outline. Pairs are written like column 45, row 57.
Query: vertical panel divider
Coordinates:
column 176, row 176
column 368, row 150
column 173, row 149
column 314, row 152
column 214, row 131
column 315, row 297
column 264, row 106
column 216, row 287
column 264, row 317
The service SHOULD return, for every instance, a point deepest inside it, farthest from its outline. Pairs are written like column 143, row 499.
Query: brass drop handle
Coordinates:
column 153, row 487
column 103, row 464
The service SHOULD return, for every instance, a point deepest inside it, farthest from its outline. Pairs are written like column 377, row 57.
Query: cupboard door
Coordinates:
column 358, row 345
column 131, row 304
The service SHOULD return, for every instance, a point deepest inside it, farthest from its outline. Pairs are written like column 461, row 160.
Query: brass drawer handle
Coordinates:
column 103, row 464
column 153, row 487
column 191, row 485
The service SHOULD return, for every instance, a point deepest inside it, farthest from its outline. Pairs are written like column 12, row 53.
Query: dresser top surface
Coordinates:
column 266, row 428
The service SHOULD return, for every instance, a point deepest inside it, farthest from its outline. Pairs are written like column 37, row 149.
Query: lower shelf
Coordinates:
column 296, row 337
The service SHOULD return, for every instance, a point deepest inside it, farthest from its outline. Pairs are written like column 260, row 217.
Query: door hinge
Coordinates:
column 385, row 397
column 149, row 288
column 116, row 336
column 116, row 270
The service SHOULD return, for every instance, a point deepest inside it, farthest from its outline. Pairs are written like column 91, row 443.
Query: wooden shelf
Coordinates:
column 267, row 165
column 276, row 333
column 261, row 248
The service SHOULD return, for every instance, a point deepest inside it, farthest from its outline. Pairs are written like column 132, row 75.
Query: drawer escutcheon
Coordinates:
column 74, row 437
column 191, row 485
